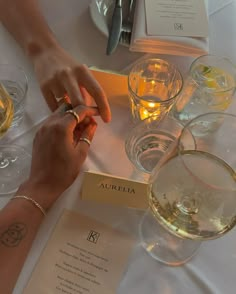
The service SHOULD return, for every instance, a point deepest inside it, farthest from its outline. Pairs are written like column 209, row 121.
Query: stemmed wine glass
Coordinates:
column 192, row 191
column 14, row 160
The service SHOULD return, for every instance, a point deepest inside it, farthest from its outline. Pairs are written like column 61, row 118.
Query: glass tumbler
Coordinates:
column 153, row 86
column 209, row 87
column 149, row 140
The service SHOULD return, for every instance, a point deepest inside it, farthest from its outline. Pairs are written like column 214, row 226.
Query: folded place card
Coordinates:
column 186, row 18
column 113, row 84
column 105, row 188
column 82, row 256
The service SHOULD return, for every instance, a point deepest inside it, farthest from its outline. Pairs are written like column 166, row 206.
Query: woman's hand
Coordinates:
column 58, row 154
column 59, row 74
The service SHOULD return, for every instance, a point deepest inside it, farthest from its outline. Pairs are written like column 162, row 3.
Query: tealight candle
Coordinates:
column 153, row 86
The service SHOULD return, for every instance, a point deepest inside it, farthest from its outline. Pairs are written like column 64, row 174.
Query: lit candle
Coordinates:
column 149, row 109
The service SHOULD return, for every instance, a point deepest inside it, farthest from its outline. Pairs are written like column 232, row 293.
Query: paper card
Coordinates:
column 176, row 18
column 82, row 256
column 105, row 188
column 113, row 84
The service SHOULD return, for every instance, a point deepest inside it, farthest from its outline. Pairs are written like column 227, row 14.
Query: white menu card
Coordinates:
column 177, row 18
column 82, row 256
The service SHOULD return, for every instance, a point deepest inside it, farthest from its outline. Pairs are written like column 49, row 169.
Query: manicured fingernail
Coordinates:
column 107, row 118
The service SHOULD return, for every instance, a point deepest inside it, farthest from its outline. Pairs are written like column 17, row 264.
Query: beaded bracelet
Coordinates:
column 35, row 203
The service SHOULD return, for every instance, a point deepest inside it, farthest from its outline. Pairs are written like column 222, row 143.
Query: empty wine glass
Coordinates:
column 192, row 192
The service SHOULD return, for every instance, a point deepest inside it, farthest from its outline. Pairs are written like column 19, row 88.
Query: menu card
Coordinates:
column 82, row 256
column 177, row 18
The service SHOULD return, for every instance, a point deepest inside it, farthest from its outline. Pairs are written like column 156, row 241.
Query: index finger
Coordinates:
column 89, row 82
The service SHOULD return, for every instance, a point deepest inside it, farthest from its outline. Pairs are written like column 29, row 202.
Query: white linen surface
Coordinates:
column 212, row 271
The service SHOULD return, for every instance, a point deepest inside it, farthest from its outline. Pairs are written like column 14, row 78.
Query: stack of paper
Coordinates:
column 170, row 27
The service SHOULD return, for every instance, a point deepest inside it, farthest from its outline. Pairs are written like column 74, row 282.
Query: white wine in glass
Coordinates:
column 14, row 160
column 192, row 192
column 6, row 110
column 194, row 196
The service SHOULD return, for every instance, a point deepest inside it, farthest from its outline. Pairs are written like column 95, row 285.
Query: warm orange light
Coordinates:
column 1, row 104
column 152, row 104
column 149, row 109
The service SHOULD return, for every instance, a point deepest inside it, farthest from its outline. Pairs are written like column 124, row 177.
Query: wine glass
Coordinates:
column 6, row 110
column 15, row 81
column 192, row 192
column 14, row 160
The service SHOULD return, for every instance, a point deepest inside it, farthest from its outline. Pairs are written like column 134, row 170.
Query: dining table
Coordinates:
column 213, row 269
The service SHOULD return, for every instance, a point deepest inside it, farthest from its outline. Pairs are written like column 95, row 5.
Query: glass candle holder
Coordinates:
column 153, row 87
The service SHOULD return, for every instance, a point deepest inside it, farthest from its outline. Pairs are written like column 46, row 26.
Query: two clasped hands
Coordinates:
column 60, row 147
column 62, row 143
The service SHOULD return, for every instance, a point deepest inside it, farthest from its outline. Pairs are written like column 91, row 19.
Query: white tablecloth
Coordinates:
column 213, row 269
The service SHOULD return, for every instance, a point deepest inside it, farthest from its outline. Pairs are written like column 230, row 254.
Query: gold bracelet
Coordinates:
column 35, row 203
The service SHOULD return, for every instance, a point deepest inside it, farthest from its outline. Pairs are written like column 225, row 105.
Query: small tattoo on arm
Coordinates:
column 13, row 235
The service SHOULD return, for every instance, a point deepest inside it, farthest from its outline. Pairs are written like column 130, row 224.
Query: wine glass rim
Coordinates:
column 180, row 151
column 21, row 69
column 219, row 57
column 218, row 113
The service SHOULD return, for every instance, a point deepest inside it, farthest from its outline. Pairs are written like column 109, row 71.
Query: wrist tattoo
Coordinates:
column 13, row 235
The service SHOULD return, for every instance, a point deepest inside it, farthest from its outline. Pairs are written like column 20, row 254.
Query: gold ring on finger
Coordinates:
column 86, row 140
column 76, row 116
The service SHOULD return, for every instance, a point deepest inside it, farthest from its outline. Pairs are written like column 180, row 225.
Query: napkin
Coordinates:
column 173, row 45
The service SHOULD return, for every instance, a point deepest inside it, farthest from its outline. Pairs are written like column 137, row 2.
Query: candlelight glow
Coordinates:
column 149, row 109
column 1, row 105
column 143, row 113
column 151, row 104
column 152, row 86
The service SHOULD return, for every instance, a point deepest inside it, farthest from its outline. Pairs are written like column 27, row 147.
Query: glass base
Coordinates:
column 162, row 245
column 14, row 168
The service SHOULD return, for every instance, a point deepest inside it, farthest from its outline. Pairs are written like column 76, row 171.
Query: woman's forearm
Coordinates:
column 24, row 20
column 19, row 222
